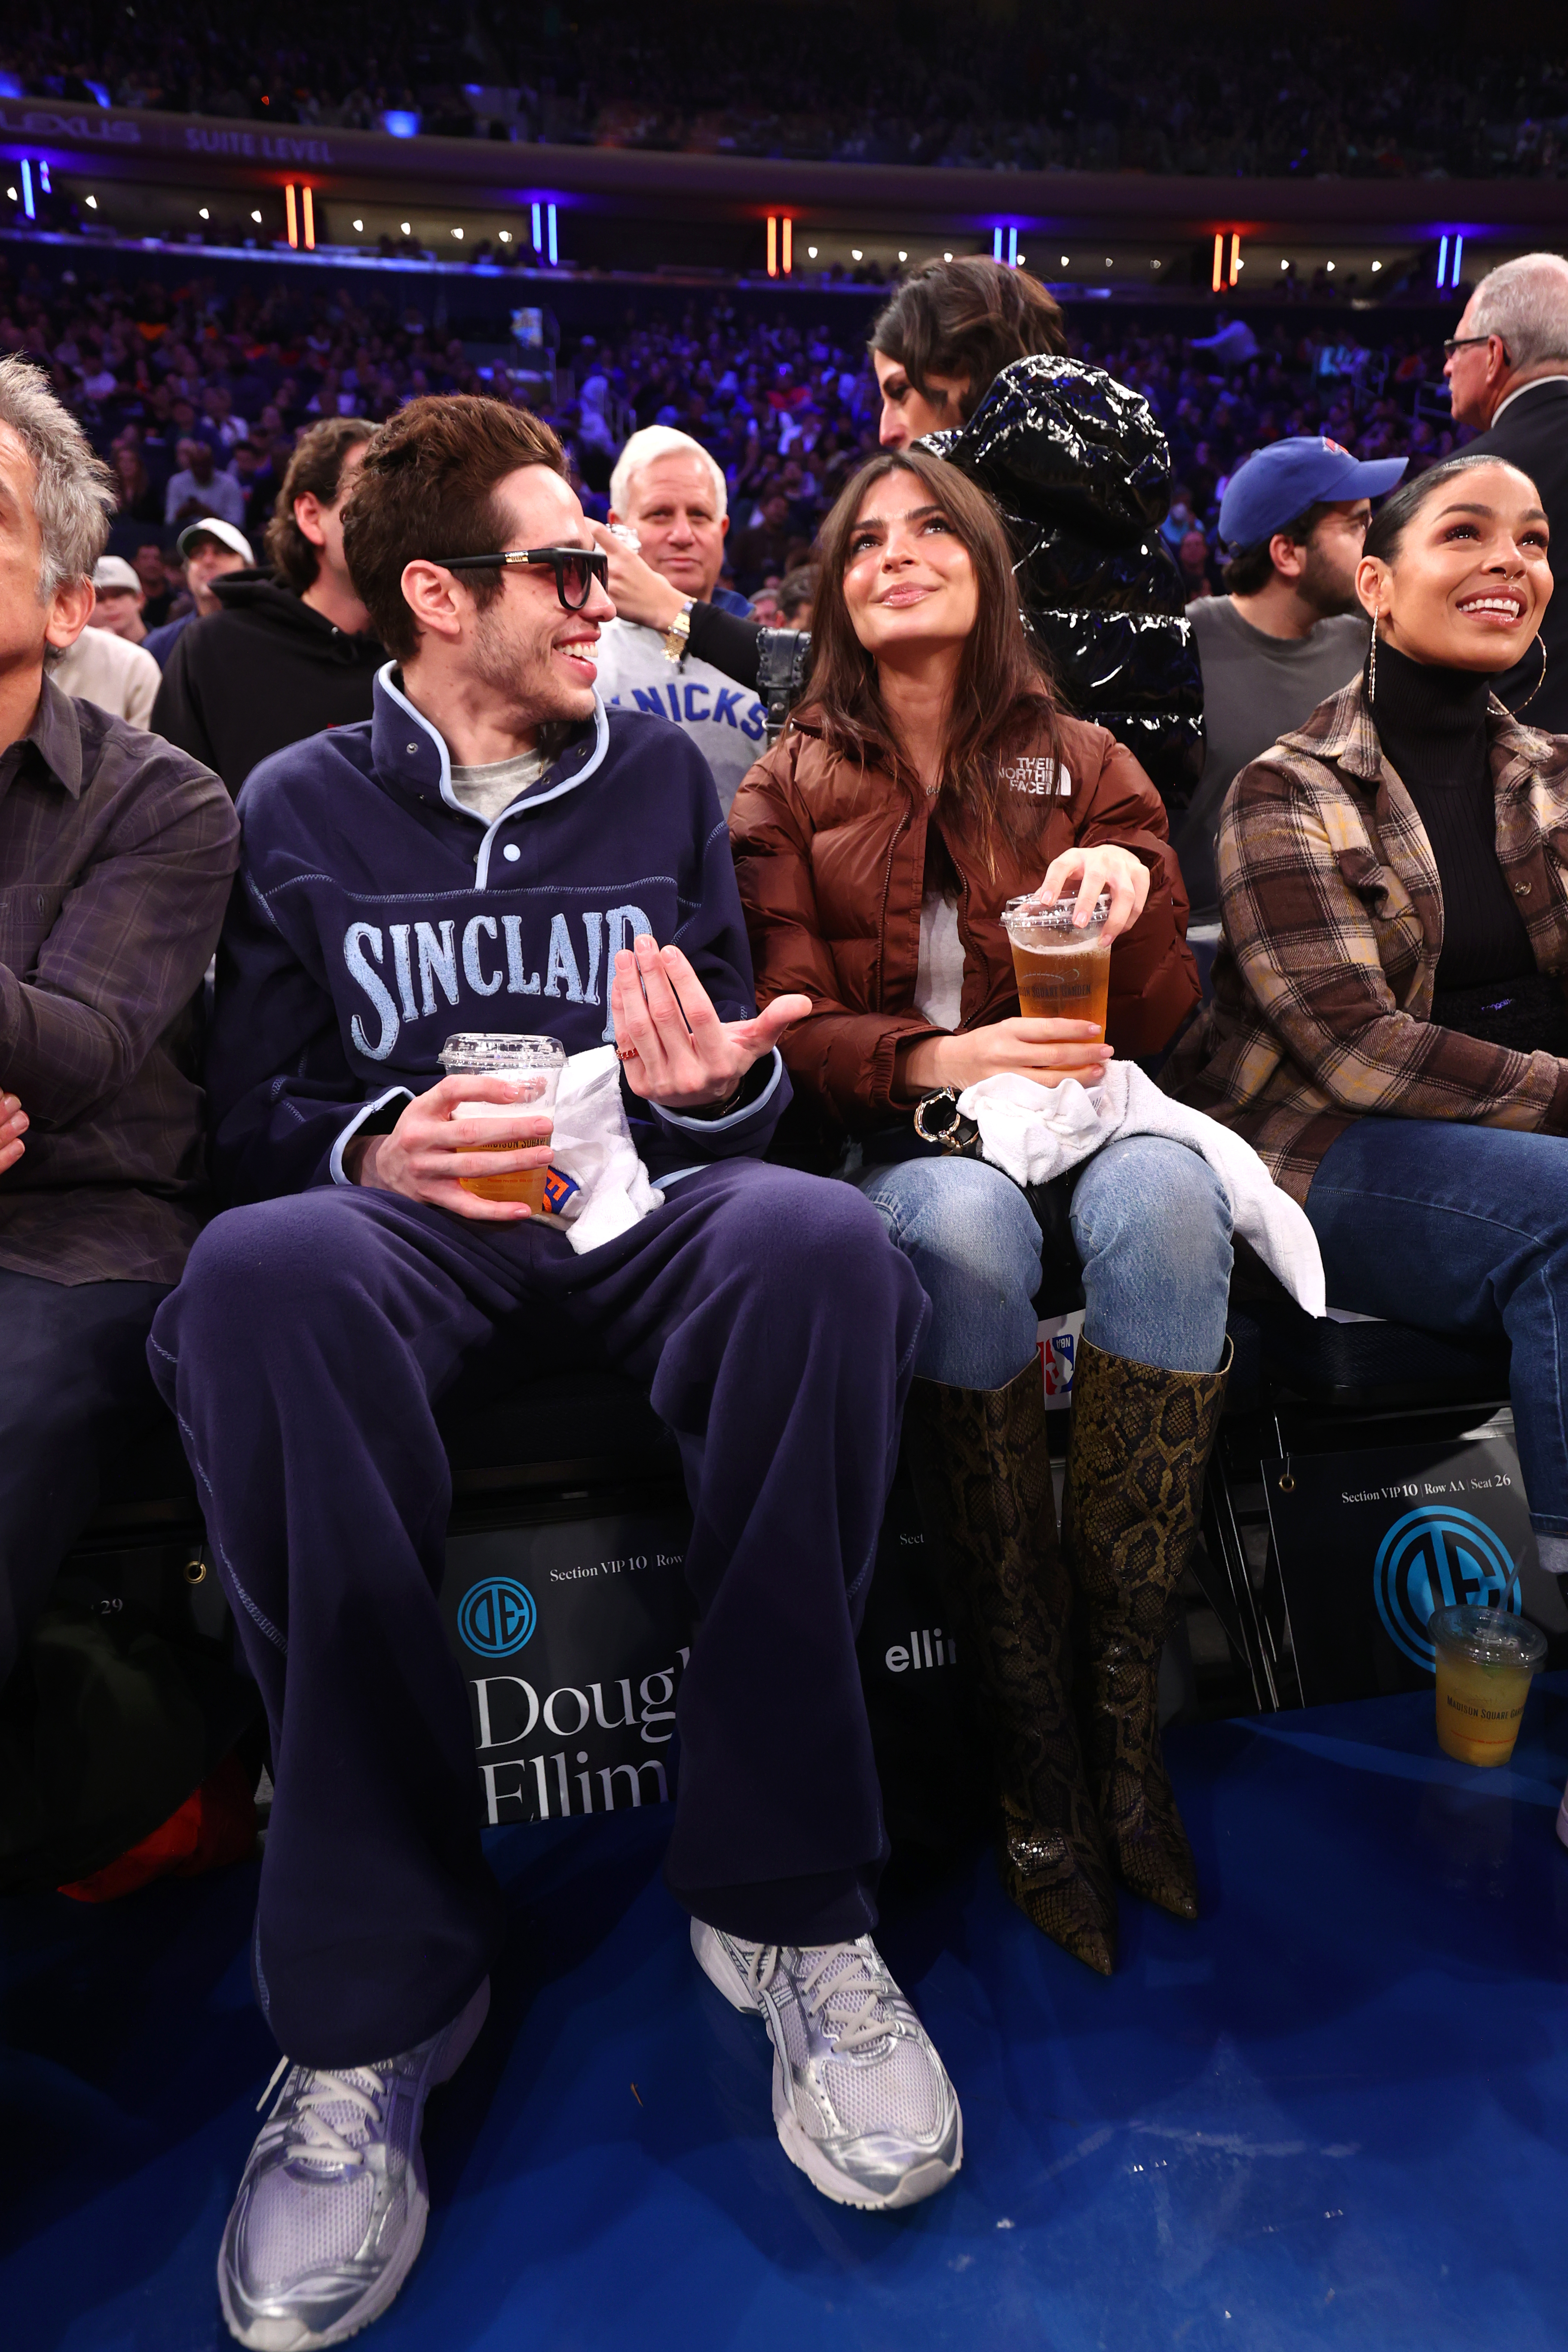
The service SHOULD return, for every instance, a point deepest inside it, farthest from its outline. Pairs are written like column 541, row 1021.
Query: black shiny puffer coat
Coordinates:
column 1081, row 472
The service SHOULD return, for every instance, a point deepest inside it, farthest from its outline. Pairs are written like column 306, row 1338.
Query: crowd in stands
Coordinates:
column 1127, row 90
column 197, row 401
column 420, row 680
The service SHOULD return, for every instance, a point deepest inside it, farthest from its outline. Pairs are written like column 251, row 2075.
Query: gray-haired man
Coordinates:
column 116, row 854
column 1507, row 367
column 659, row 653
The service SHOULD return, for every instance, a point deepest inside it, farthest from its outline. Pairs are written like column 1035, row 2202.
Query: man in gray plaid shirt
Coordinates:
column 116, row 852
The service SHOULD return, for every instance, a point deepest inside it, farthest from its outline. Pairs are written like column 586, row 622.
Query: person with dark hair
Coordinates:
column 798, row 590
column 930, row 778
column 946, row 336
column 1288, row 629
column 494, row 850
column 289, row 650
column 971, row 357
column 1389, row 1028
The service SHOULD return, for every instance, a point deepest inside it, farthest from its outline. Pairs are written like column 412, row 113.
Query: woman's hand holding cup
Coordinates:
column 1046, row 1051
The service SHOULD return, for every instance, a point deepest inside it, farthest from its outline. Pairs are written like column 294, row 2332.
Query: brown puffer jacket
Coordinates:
column 831, row 861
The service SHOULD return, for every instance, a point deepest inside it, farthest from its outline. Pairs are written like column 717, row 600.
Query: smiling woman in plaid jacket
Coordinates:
column 1389, row 1030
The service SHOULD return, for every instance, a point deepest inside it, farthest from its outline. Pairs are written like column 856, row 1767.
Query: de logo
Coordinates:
column 497, row 1617
column 1429, row 1559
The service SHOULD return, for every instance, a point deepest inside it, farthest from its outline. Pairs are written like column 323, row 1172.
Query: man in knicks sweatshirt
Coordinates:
column 494, row 851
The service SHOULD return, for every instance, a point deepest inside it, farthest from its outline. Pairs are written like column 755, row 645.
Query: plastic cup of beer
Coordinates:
column 1063, row 969
column 534, row 1063
column 1485, row 1660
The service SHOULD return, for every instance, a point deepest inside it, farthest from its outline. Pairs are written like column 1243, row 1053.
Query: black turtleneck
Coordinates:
column 1432, row 725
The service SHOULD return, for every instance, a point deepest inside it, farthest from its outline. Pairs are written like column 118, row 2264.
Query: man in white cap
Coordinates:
column 207, row 549
column 105, row 665
column 117, row 599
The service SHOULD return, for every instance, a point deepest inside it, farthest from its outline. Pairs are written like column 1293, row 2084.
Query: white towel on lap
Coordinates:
column 592, row 1144
column 1034, row 1132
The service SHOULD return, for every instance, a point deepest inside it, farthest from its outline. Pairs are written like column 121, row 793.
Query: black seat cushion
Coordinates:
column 1357, row 1365
column 570, row 1417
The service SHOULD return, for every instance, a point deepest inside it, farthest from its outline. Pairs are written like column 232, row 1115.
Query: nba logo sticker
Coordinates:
column 1429, row 1559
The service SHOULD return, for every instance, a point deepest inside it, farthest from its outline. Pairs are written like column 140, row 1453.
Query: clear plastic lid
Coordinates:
column 1489, row 1637
column 493, row 1051
column 1024, row 916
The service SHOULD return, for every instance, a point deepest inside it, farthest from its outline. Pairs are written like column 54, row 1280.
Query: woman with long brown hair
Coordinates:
column 928, row 779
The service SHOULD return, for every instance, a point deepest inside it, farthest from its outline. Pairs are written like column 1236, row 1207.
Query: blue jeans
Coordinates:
column 1152, row 1227
column 1460, row 1228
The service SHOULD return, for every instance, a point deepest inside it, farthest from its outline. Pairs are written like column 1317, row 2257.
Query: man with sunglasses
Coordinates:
column 1507, row 365
column 495, row 851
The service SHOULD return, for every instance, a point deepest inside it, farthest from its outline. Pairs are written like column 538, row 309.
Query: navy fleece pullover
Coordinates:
column 374, row 916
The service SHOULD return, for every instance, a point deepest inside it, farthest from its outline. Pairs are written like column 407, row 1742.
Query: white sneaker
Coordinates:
column 862, row 2102
column 332, row 2210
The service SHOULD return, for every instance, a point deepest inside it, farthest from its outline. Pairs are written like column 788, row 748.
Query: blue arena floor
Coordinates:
column 1334, row 2113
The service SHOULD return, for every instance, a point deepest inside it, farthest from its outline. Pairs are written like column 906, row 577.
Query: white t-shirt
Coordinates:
column 724, row 720
column 110, row 671
column 490, row 789
column 939, row 977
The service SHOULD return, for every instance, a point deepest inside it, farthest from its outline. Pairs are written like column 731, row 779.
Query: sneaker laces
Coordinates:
column 826, row 1982
column 310, row 2137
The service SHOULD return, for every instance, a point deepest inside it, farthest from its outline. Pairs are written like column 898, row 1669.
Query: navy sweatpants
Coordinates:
column 777, row 1328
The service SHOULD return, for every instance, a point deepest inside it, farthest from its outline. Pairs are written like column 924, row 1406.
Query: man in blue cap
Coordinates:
column 1289, row 632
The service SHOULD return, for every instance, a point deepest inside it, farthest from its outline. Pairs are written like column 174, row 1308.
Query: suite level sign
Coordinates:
column 1369, row 1544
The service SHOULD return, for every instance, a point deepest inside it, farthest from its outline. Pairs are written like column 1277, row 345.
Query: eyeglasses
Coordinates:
column 576, row 569
column 1453, row 343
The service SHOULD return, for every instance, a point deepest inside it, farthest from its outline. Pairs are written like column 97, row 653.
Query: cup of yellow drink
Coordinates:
column 1485, row 1660
column 535, row 1064
column 1062, row 968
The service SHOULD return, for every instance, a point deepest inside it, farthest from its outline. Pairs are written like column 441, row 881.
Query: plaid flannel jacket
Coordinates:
column 116, row 852
column 1333, row 923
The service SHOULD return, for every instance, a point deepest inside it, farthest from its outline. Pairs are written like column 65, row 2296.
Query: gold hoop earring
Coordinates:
column 1372, row 667
column 1540, row 682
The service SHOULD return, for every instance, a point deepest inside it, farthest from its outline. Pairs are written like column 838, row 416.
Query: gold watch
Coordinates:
column 678, row 636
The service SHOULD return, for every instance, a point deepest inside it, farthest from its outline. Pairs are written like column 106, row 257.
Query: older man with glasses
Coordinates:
column 1507, row 366
column 493, row 851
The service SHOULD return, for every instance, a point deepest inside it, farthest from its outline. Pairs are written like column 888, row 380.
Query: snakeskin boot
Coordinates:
column 982, row 1473
column 1137, row 1455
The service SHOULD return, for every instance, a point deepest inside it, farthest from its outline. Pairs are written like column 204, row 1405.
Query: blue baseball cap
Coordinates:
column 1277, row 484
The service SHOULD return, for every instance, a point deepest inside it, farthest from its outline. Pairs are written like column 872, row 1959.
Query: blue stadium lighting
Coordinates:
column 1012, row 249
column 550, row 218
column 538, row 229
column 995, row 244
column 399, row 122
column 29, row 205
column 1442, row 263
column 44, row 179
column 1459, row 256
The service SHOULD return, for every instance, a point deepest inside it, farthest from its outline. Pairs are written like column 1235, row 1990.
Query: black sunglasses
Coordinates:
column 576, row 569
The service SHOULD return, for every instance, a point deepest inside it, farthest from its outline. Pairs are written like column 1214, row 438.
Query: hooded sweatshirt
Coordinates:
column 376, row 916
column 264, row 672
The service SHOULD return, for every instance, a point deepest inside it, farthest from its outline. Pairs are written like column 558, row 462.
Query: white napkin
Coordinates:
column 1034, row 1132
column 592, row 1144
